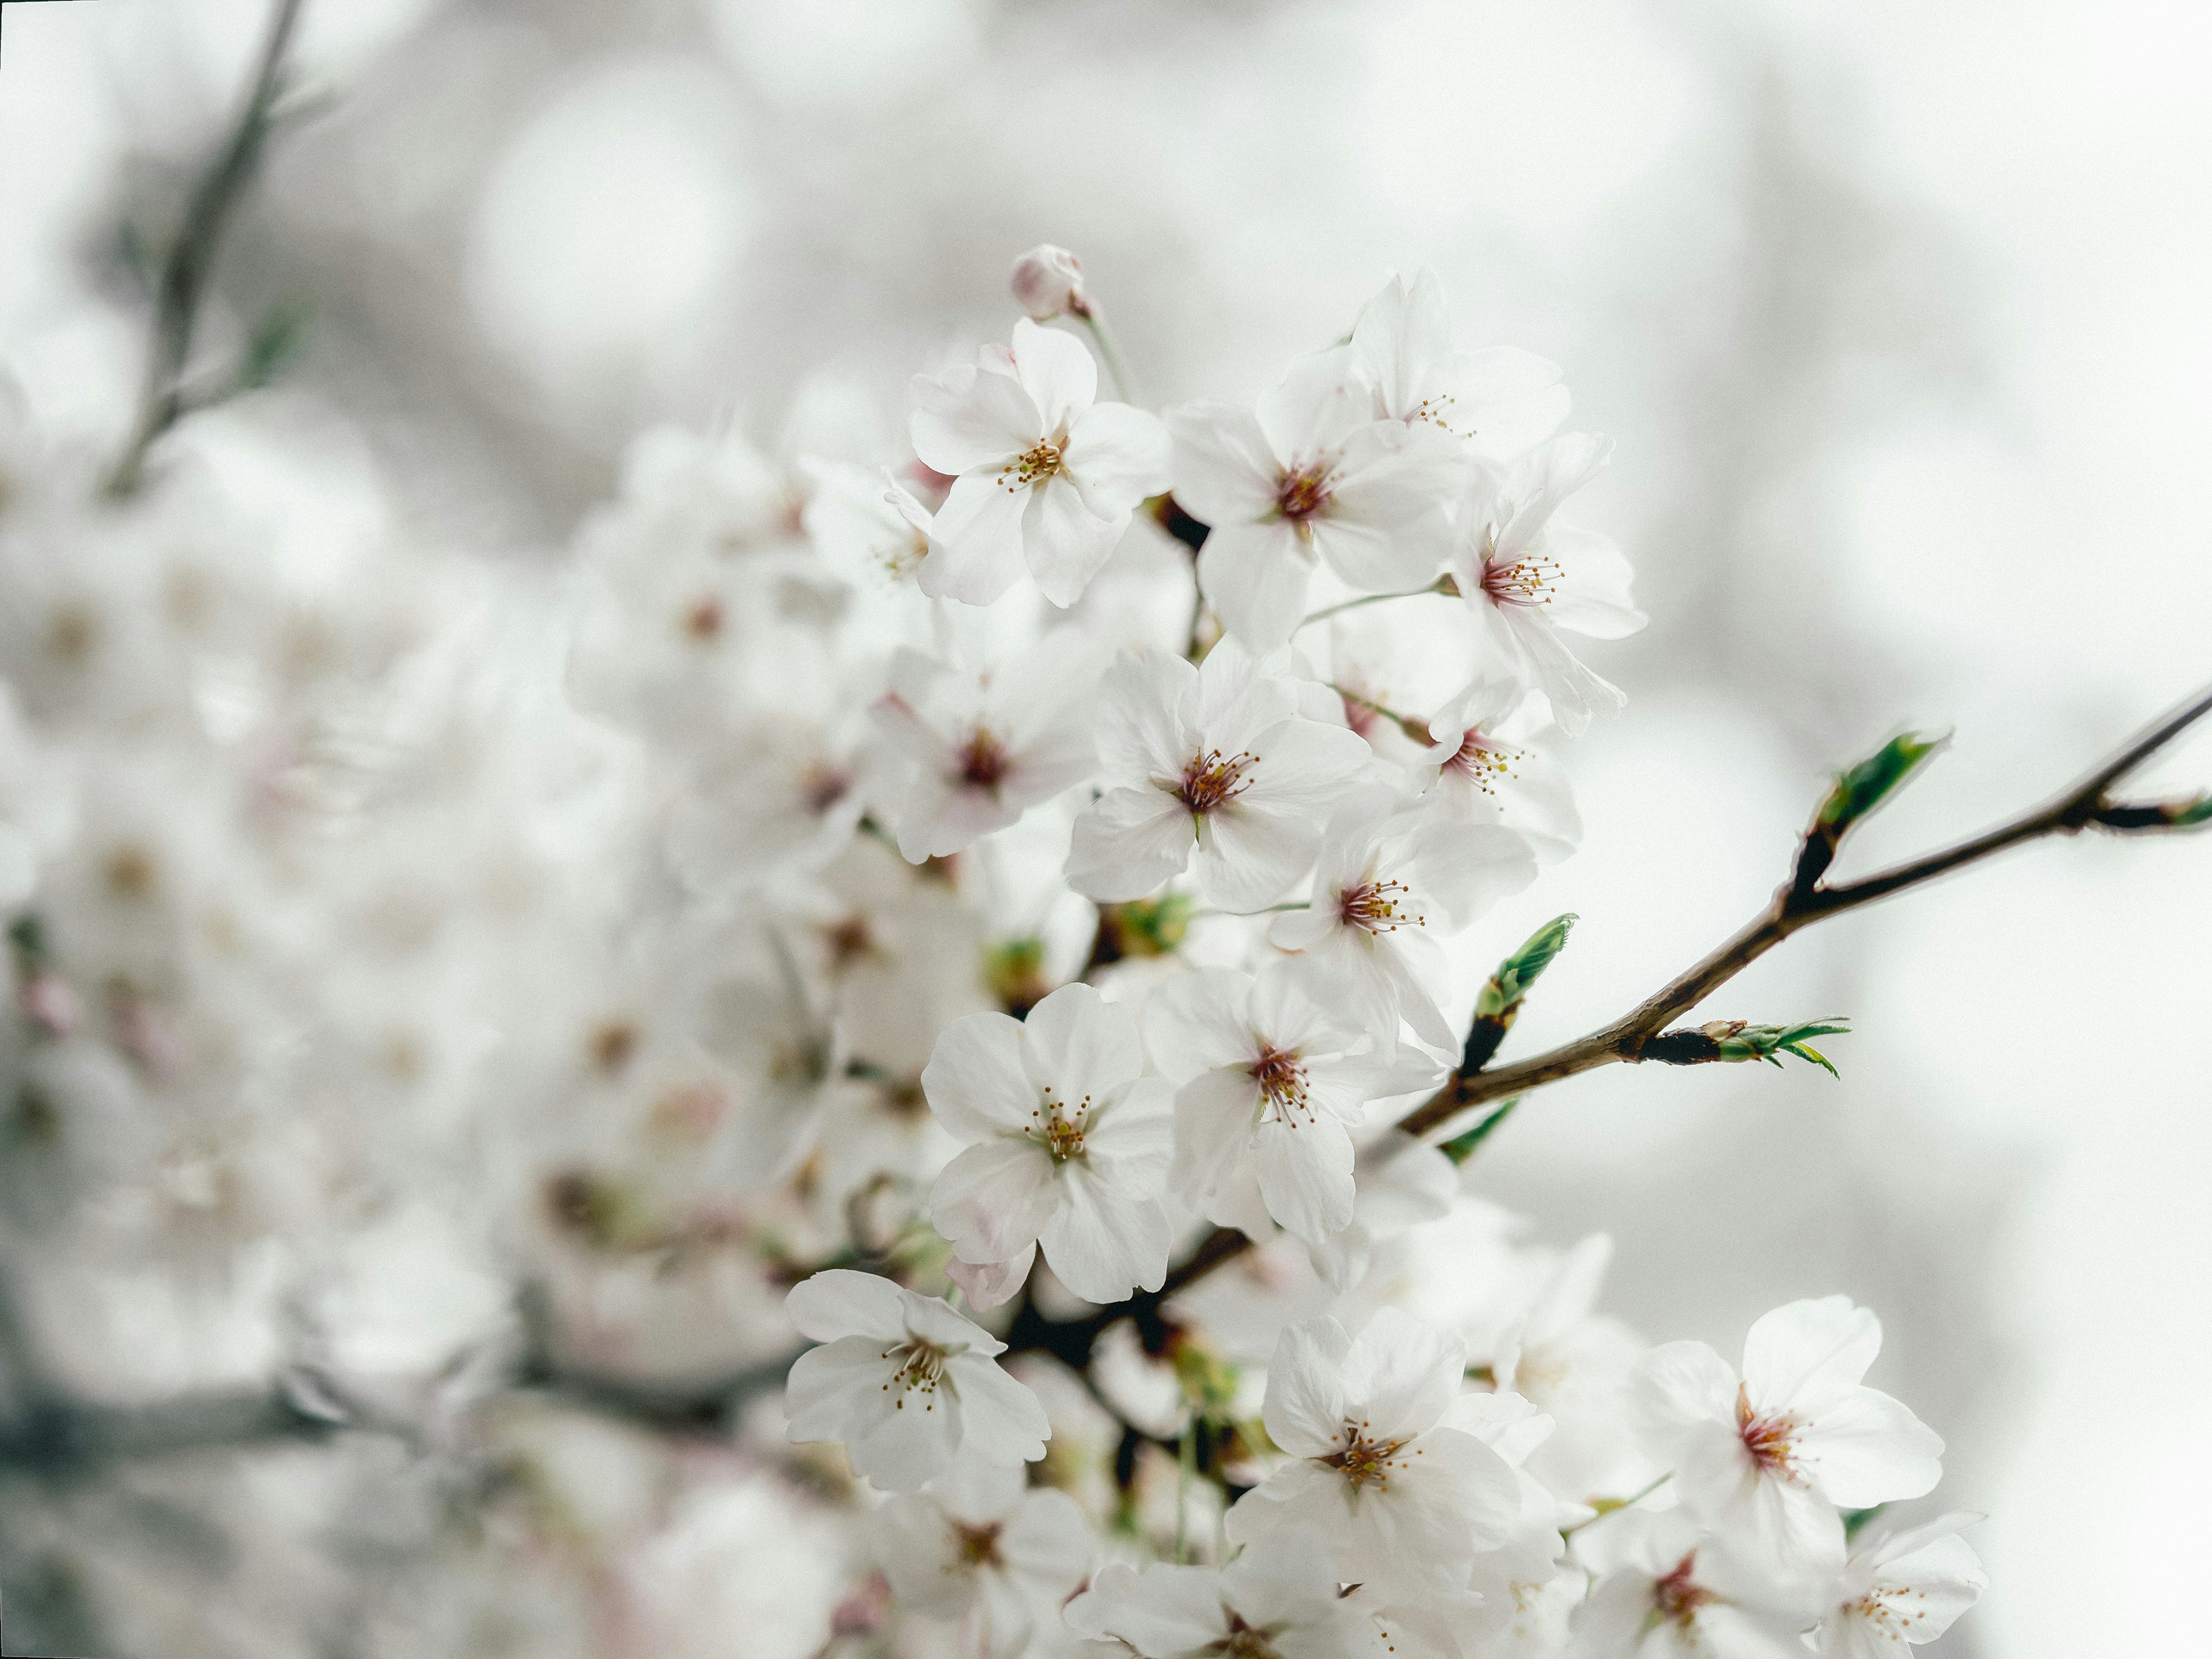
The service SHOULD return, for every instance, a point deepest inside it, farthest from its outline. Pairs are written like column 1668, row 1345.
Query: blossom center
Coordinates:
column 1060, row 1130
column 984, row 761
column 1210, row 780
column 1304, row 491
column 1243, row 1641
column 1529, row 579
column 1433, row 408
column 1380, row 907
column 1363, row 1462
column 1282, row 1081
column 1767, row 1438
column 1882, row 1608
column 1032, row 466
column 976, row 1547
column 921, row 1367
column 821, row 786
column 1482, row 762
column 1676, row 1598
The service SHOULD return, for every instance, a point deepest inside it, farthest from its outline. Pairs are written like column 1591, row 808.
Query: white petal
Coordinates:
column 992, row 1283
column 1165, row 1613
column 1077, row 1043
column 1246, row 859
column 1057, row 371
column 1401, row 1372
column 975, row 1081
column 1305, row 1402
column 1255, row 576
column 1224, row 471
column 1065, row 541
column 1305, row 1174
column 1002, row 1422
column 1806, row 1356
column 963, row 421
column 993, row 1199
column 1117, row 456
column 838, row 1302
column 1197, row 1022
column 975, row 550
column 1128, row 841
column 1102, row 1243
column 1869, row 1449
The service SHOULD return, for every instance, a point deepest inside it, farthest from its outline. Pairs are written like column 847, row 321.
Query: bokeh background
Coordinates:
column 1896, row 313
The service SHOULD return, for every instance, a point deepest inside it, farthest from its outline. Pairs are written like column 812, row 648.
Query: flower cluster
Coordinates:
column 948, row 926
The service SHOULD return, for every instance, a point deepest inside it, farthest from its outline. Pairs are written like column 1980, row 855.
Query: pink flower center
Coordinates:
column 1530, row 579
column 821, row 786
column 1209, row 780
column 1304, row 491
column 1282, row 1081
column 1060, row 1130
column 1677, row 1597
column 1482, row 762
column 1363, row 1462
column 1380, row 907
column 1767, row 1438
column 921, row 1367
column 1032, row 466
column 984, row 761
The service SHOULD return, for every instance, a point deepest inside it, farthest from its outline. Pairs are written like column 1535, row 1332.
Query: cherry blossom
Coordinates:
column 1770, row 1456
column 1269, row 1095
column 867, row 525
column 973, row 750
column 1665, row 1591
column 979, row 1546
column 1901, row 1585
column 908, row 1384
column 1401, row 1498
column 1483, row 766
column 1498, row 401
column 1220, row 769
column 1389, row 882
column 1068, row 1143
column 1045, row 476
column 1311, row 475
column 1048, row 283
column 1280, row 1600
column 1526, row 576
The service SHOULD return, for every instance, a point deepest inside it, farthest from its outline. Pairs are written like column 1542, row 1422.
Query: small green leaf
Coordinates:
column 1873, row 781
column 1520, row 971
column 274, row 344
column 1460, row 1147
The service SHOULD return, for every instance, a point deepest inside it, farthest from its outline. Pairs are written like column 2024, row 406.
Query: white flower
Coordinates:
column 978, row 749
column 1500, row 401
column 1769, row 1457
column 1902, row 1585
column 1389, row 883
column 1525, row 576
column 772, row 797
column 865, row 524
column 906, row 1383
column 1400, row 1499
column 1068, row 1143
column 981, row 1547
column 1486, row 771
column 1043, row 474
column 1278, row 1599
column 1269, row 1098
column 1214, row 767
column 1048, row 283
column 1664, row 1591
column 1311, row 475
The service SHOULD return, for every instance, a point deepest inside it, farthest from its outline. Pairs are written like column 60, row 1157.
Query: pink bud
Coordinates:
column 1048, row 281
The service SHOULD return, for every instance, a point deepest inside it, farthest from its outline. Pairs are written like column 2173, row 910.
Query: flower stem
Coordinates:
column 1109, row 349
column 1326, row 612
column 1606, row 1506
column 1417, row 730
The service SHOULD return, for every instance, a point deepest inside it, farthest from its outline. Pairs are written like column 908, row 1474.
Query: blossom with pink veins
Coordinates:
column 1045, row 477
column 1311, row 476
column 1526, row 576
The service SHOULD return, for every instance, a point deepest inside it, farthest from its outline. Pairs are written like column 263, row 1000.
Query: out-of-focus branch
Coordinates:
column 191, row 256
column 1797, row 904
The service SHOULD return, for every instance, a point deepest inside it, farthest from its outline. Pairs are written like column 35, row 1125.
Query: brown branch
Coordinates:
column 191, row 258
column 2083, row 805
column 2073, row 808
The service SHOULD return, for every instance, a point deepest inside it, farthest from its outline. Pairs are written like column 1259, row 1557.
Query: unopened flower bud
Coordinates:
column 1048, row 283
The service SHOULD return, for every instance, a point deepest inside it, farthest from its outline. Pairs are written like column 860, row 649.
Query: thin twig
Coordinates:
column 2071, row 810
column 191, row 258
